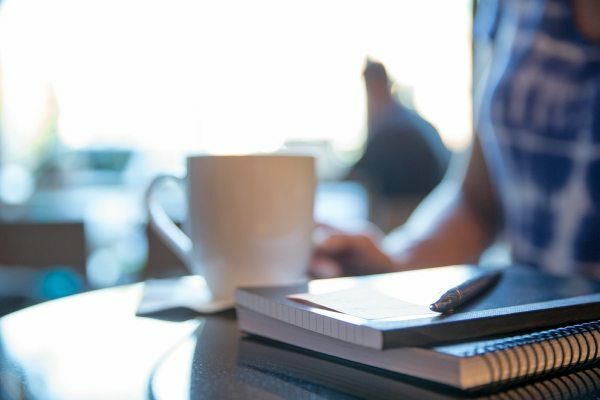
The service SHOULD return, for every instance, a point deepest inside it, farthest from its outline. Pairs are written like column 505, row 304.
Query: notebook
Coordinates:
column 493, row 363
column 523, row 299
column 304, row 369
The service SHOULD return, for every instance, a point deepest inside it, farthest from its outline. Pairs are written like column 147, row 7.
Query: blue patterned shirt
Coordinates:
column 539, row 125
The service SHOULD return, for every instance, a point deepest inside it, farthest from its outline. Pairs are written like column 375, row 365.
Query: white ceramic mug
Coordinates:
column 249, row 220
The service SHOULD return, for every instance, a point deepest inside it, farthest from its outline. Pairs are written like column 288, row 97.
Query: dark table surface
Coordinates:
column 93, row 346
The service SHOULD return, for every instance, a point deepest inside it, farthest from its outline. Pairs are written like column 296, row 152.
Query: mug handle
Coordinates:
column 175, row 238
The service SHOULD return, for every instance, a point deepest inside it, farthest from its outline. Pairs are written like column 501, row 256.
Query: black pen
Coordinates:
column 466, row 291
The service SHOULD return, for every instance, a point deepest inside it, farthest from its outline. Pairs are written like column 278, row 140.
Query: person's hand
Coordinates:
column 338, row 253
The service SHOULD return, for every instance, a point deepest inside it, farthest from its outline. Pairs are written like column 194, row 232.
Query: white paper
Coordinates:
column 189, row 292
column 364, row 302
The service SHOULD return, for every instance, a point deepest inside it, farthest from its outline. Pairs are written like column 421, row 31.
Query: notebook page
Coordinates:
column 364, row 302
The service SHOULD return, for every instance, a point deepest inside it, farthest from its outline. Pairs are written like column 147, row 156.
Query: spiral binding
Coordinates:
column 545, row 353
column 584, row 384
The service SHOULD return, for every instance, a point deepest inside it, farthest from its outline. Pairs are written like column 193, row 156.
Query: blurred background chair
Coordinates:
column 36, row 244
column 40, row 261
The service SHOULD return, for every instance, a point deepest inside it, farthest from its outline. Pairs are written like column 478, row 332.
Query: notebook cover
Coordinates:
column 300, row 366
column 524, row 299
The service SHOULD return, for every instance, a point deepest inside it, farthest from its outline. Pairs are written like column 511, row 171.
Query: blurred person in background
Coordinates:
column 533, row 176
column 401, row 146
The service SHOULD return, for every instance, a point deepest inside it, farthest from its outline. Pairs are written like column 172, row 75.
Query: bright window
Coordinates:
column 223, row 76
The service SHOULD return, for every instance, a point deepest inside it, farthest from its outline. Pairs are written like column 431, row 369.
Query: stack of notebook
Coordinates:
column 529, row 325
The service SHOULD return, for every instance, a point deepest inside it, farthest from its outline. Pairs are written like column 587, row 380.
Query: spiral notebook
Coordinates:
column 390, row 310
column 304, row 369
column 493, row 363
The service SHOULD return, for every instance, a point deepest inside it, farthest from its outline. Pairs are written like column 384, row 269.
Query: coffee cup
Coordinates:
column 249, row 220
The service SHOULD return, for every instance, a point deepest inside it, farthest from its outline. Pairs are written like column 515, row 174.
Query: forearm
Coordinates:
column 445, row 230
column 454, row 225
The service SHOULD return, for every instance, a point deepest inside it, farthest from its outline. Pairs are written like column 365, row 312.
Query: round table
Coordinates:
column 86, row 346
column 93, row 346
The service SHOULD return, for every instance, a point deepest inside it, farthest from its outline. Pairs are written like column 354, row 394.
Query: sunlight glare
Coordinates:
column 230, row 76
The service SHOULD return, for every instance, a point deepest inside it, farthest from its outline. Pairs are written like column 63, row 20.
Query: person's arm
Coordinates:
column 454, row 225
column 450, row 227
column 587, row 14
